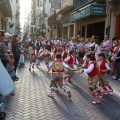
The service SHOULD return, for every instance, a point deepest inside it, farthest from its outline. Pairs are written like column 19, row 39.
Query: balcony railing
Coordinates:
column 5, row 8
column 81, row 3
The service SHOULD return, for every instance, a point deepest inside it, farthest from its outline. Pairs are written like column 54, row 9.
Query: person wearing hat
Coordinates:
column 57, row 75
column 91, row 70
column 71, row 60
column 103, row 68
column 46, row 56
column 105, row 46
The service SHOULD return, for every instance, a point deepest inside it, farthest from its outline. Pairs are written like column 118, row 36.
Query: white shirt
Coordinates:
column 64, row 64
column 43, row 42
column 40, row 50
column 90, row 68
column 106, row 65
column 62, row 53
column 71, row 45
column 68, row 58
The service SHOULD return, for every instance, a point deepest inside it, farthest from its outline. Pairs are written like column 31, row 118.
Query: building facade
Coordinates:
column 113, row 19
column 38, row 24
column 76, row 17
column 15, row 22
column 5, row 14
column 10, row 16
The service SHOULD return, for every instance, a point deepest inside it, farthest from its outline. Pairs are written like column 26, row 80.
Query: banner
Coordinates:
column 55, row 4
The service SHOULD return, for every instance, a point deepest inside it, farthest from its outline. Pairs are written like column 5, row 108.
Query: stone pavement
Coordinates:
column 31, row 101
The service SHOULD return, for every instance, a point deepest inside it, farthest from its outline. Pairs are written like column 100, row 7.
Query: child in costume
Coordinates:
column 103, row 68
column 46, row 56
column 91, row 70
column 57, row 75
column 33, row 54
column 39, row 58
column 71, row 60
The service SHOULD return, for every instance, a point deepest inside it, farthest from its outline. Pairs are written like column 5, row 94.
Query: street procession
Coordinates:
column 59, row 60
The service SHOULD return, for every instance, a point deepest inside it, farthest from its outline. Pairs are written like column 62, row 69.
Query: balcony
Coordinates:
column 55, row 18
column 5, row 8
column 66, row 6
column 81, row 3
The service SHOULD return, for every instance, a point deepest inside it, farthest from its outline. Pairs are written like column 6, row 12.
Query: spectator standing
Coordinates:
column 105, row 46
column 66, row 40
column 7, row 40
column 80, row 50
column 16, row 50
column 97, row 49
column 6, row 83
column 118, row 63
column 87, row 44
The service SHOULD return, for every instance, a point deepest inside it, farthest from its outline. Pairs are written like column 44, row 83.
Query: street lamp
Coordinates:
column 115, row 6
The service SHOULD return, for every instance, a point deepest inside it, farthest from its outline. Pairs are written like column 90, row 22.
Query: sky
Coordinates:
column 23, row 4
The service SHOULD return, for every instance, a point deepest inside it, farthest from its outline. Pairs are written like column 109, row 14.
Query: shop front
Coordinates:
column 90, row 20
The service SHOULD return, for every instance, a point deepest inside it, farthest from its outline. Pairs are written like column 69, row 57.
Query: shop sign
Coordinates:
column 81, row 14
column 90, row 10
column 98, row 10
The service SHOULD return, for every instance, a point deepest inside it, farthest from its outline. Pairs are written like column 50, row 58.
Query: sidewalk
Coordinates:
column 31, row 101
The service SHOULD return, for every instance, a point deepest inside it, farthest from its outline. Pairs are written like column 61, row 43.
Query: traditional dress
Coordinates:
column 91, row 70
column 104, row 83
column 57, row 76
column 39, row 57
column 71, row 60
column 46, row 56
column 33, row 54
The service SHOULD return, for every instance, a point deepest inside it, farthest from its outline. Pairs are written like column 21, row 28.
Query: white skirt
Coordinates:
column 21, row 60
column 6, row 83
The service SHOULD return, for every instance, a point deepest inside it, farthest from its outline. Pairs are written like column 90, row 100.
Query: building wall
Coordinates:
column 47, row 11
column 117, row 30
column 2, row 21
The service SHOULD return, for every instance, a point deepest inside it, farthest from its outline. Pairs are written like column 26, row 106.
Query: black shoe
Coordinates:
column 17, row 77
